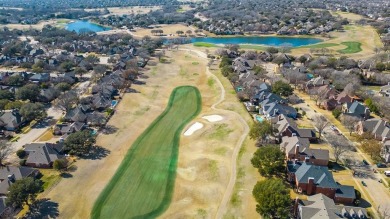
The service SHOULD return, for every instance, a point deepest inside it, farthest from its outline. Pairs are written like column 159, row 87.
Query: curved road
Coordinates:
column 230, row 187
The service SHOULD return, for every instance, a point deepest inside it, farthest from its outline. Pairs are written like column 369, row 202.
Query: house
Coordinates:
column 385, row 90
column 287, row 127
column 75, row 115
column 356, row 109
column 274, row 109
column 379, row 128
column 11, row 120
column 297, row 148
column 43, row 155
column 312, row 179
column 68, row 128
column 49, row 94
column 9, row 174
column 334, row 100
column 40, row 77
column 319, row 206
column 99, row 102
column 316, row 82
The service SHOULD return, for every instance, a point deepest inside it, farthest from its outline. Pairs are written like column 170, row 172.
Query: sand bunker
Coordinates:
column 195, row 127
column 213, row 118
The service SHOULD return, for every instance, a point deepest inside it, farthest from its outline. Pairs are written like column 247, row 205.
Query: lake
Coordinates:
column 85, row 26
column 266, row 40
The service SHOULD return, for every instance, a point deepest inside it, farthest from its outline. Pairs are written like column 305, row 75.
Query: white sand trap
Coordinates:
column 213, row 118
column 195, row 127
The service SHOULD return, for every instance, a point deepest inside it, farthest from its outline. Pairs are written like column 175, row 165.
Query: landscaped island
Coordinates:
column 143, row 184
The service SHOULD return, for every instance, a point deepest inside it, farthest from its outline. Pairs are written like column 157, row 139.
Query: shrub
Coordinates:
column 336, row 113
column 22, row 162
column 21, row 153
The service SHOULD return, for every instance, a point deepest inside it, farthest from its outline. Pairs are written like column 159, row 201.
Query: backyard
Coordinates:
column 147, row 174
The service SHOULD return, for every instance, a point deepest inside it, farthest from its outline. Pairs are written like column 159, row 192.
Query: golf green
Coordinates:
column 142, row 186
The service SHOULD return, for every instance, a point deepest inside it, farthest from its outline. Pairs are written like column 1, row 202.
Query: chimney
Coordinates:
column 275, row 111
column 296, row 150
column 307, row 159
column 279, row 118
column 310, row 186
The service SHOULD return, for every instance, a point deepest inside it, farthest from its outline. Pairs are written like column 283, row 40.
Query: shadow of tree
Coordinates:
column 43, row 208
column 96, row 153
column 72, row 168
column 109, row 129
column 364, row 203
column 131, row 90
column 66, row 175
column 139, row 82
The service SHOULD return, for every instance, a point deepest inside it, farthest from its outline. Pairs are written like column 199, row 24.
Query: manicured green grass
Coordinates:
column 352, row 47
column 203, row 44
column 320, row 45
column 143, row 185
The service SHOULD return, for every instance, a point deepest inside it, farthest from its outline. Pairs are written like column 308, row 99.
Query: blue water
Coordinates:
column 114, row 103
column 259, row 118
column 85, row 26
column 266, row 40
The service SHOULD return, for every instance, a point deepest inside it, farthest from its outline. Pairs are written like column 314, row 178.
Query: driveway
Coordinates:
column 375, row 190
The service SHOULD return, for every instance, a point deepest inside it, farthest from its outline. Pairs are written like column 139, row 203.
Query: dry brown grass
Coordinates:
column 46, row 136
column 169, row 30
column 202, row 170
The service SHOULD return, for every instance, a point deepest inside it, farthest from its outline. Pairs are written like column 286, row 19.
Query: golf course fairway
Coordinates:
column 142, row 186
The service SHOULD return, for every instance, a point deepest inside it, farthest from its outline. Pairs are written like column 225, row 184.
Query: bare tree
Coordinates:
column 320, row 122
column 5, row 151
column 67, row 100
column 338, row 148
column 349, row 122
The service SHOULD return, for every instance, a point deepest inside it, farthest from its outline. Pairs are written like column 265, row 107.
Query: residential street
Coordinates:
column 373, row 189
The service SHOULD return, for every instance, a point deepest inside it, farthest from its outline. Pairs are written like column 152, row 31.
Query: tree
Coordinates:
column 79, row 143
column 67, row 65
column 338, row 147
column 5, row 151
column 24, row 191
column 336, row 113
column 272, row 50
column 269, row 160
column 226, row 70
column 189, row 32
column 6, row 94
column 179, row 32
column 349, row 122
column 320, row 122
column 80, row 71
column 63, row 86
column 371, row 105
column 92, row 59
column 302, row 59
column 261, row 130
column 3, row 103
column 28, row 92
column 100, row 70
column 31, row 111
column 60, row 164
column 259, row 71
column 15, row 80
column 282, row 88
column 273, row 198
column 14, row 105
column 372, row 147
column 67, row 100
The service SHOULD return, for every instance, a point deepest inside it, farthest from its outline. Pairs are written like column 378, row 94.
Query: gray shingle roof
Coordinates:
column 345, row 192
column 43, row 153
column 16, row 172
column 320, row 206
column 322, row 177
column 378, row 127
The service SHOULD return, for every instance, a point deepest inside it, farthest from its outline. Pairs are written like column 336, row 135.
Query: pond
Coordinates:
column 263, row 40
column 85, row 26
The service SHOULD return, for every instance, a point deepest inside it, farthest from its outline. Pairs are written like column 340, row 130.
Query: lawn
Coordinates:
column 352, row 47
column 320, row 45
column 203, row 44
column 142, row 186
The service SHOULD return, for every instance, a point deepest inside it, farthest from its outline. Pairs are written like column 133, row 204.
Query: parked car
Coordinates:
column 387, row 173
column 381, row 165
column 365, row 162
column 364, row 184
column 333, row 127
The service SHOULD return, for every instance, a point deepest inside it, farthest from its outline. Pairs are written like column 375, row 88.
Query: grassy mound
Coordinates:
column 142, row 186
column 352, row 47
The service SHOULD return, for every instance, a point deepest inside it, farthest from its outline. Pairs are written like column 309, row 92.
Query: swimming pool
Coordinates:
column 259, row 118
column 114, row 103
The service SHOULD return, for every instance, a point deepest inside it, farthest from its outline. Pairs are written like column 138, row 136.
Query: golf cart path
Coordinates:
column 229, row 189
